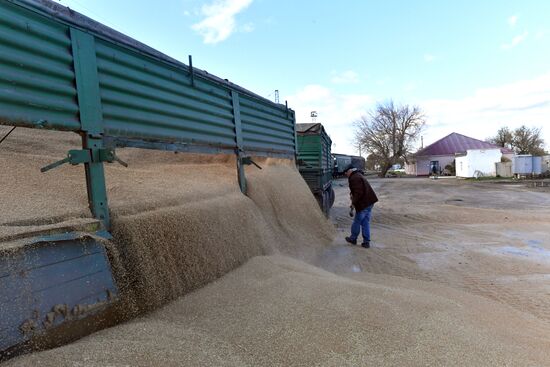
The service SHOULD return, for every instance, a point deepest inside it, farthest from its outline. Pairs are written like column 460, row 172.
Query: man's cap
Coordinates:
column 351, row 166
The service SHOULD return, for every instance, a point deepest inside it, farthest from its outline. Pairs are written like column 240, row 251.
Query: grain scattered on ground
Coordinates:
column 435, row 289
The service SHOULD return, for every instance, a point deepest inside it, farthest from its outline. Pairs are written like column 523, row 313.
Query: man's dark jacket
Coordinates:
column 362, row 194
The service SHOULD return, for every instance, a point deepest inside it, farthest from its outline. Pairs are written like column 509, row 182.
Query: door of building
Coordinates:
column 434, row 167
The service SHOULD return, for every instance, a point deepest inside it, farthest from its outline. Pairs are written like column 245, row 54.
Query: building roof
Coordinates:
column 457, row 143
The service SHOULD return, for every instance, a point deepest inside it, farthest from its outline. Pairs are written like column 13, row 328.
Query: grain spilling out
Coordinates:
column 155, row 214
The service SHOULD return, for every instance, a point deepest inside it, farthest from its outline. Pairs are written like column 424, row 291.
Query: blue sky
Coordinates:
column 472, row 66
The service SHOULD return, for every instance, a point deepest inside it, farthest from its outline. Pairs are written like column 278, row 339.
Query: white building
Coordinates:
column 435, row 157
column 478, row 162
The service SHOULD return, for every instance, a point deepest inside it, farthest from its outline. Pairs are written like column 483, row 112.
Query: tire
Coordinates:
column 332, row 197
column 326, row 199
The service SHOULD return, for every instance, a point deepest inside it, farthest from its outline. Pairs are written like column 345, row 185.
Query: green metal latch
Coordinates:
column 241, row 162
column 248, row 161
column 77, row 156
column 109, row 155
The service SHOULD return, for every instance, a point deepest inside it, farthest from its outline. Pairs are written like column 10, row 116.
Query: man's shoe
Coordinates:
column 349, row 240
column 366, row 244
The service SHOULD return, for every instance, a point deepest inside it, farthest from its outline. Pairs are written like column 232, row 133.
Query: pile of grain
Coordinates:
column 276, row 311
column 170, row 250
column 180, row 223
column 36, row 199
column 179, row 220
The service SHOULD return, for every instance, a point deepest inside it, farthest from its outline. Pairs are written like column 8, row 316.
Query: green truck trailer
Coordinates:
column 315, row 162
column 62, row 71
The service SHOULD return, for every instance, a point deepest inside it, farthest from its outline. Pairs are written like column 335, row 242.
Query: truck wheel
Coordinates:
column 326, row 198
column 332, row 197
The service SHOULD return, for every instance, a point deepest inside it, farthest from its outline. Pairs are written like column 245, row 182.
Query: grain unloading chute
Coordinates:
column 62, row 71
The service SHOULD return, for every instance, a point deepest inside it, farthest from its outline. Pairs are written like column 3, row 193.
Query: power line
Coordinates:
column 276, row 93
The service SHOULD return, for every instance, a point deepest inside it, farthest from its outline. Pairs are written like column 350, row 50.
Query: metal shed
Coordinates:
column 526, row 165
column 478, row 162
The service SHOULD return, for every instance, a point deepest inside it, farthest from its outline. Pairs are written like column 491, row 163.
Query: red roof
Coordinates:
column 457, row 143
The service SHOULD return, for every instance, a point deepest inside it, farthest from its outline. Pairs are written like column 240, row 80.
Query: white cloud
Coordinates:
column 337, row 112
column 429, row 57
column 515, row 41
column 220, row 22
column 481, row 114
column 512, row 21
column 346, row 77
column 540, row 34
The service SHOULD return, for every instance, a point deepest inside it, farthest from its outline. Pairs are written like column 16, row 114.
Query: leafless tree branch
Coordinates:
column 389, row 131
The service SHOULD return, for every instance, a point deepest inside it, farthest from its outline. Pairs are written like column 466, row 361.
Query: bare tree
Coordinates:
column 528, row 141
column 522, row 140
column 503, row 138
column 389, row 131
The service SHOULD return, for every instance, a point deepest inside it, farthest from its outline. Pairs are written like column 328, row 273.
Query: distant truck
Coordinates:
column 341, row 161
column 315, row 162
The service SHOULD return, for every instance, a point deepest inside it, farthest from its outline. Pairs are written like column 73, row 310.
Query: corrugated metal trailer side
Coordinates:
column 60, row 70
column 315, row 162
column 63, row 71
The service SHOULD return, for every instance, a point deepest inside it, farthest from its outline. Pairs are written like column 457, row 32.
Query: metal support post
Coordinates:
column 296, row 160
column 239, row 140
column 191, row 71
column 240, row 172
column 95, row 180
column 91, row 120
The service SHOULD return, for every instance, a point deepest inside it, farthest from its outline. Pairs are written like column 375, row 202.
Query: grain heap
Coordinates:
column 213, row 227
column 276, row 311
column 179, row 220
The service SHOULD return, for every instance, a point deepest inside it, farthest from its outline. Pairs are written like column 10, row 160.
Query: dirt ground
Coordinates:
column 458, row 275
column 489, row 238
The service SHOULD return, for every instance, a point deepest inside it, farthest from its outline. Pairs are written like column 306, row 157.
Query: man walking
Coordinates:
column 362, row 199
